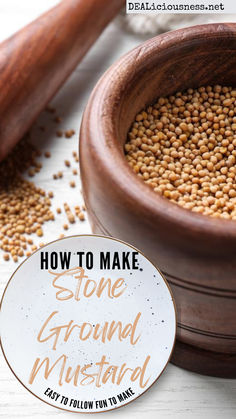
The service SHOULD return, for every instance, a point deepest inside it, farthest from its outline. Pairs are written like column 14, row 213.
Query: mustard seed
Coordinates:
column 184, row 147
column 20, row 229
column 72, row 184
column 66, row 207
column 69, row 133
column 23, row 206
column 59, row 133
column 50, row 108
column 31, row 172
column 71, row 218
column 57, row 119
column 81, row 216
column 39, row 232
column 77, row 209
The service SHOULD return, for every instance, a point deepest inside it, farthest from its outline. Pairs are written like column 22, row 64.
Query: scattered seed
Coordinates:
column 20, row 229
column 81, row 216
column 72, row 184
column 23, row 206
column 57, row 119
column 50, row 108
column 69, row 133
column 39, row 232
column 71, row 218
column 31, row 172
column 59, row 133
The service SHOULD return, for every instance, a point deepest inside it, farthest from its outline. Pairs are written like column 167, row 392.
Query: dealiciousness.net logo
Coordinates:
column 181, row 6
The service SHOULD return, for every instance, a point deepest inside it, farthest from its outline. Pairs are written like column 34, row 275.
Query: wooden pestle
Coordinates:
column 37, row 60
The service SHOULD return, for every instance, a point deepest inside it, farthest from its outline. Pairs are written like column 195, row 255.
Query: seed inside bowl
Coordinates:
column 184, row 147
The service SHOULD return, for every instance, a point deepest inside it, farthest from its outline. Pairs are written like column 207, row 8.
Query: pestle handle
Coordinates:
column 37, row 60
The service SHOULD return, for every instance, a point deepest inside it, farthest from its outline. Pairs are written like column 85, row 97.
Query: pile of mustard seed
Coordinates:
column 24, row 207
column 184, row 147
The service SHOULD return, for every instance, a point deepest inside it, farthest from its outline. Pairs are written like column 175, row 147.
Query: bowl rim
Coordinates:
column 97, row 127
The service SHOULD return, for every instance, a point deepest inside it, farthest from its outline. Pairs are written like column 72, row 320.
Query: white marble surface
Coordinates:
column 178, row 393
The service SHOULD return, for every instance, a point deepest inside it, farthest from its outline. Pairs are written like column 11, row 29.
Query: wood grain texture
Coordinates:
column 37, row 60
column 196, row 253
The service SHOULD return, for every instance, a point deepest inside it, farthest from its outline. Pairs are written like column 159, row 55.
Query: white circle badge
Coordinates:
column 88, row 323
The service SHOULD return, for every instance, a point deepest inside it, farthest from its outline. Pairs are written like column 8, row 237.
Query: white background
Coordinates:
column 178, row 393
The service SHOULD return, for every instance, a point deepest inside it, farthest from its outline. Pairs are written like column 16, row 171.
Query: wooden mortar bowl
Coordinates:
column 196, row 253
